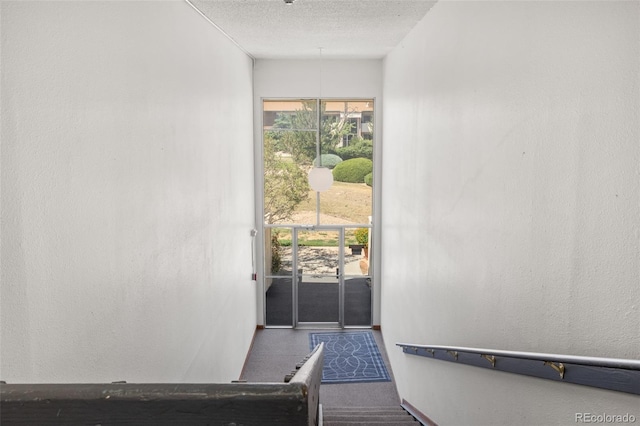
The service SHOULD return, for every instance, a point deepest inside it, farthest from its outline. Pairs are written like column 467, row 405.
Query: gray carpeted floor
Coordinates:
column 275, row 353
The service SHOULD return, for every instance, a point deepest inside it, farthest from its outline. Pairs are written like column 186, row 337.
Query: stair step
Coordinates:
column 366, row 414
column 361, row 417
column 369, row 419
column 370, row 412
column 382, row 422
column 347, row 416
column 409, row 421
column 365, row 409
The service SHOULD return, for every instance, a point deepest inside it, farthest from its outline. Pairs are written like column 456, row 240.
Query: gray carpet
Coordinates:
column 275, row 353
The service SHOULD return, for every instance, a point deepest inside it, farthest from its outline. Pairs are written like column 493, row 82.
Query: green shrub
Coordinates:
column 359, row 148
column 362, row 236
column 276, row 253
column 328, row 160
column 368, row 179
column 353, row 170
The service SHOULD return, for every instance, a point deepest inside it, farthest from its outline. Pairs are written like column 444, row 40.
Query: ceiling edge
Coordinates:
column 246, row 52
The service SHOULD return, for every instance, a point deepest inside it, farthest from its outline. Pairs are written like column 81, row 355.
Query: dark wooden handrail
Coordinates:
column 293, row 403
column 308, row 378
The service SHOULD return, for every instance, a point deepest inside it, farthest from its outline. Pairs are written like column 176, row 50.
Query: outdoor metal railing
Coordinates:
column 616, row 374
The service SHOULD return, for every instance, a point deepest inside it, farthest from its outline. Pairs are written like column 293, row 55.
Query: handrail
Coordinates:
column 309, row 377
column 630, row 364
column 293, row 403
column 617, row 374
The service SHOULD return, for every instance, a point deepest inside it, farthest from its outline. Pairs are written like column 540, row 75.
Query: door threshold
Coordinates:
column 318, row 325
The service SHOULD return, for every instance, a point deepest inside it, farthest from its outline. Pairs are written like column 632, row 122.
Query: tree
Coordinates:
column 285, row 184
column 359, row 148
column 297, row 134
column 335, row 128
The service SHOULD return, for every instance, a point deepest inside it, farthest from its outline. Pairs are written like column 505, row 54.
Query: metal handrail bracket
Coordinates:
column 622, row 375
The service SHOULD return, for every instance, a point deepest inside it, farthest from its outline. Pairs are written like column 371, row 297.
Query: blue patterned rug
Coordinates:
column 350, row 357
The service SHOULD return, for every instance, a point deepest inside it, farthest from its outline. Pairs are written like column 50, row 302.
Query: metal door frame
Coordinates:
column 259, row 180
column 341, row 279
column 296, row 279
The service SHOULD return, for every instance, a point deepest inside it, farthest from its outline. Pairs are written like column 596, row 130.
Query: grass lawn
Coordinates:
column 315, row 239
column 348, row 202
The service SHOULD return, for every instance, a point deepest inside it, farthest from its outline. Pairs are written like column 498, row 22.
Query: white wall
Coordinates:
column 329, row 78
column 127, row 194
column 511, row 215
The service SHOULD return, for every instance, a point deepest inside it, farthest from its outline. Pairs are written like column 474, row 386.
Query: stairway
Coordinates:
column 347, row 416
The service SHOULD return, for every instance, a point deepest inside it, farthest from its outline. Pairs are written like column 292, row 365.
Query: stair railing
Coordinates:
column 293, row 403
column 616, row 374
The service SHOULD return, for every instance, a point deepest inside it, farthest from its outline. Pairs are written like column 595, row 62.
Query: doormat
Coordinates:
column 350, row 357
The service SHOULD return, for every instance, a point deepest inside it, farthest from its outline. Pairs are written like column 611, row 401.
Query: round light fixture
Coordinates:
column 320, row 179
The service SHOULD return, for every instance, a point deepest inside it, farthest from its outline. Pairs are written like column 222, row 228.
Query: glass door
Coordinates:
column 319, row 278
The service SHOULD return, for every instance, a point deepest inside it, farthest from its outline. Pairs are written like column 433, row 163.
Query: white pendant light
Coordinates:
column 320, row 179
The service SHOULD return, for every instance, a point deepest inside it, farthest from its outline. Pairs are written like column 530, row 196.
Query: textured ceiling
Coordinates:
column 342, row 28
